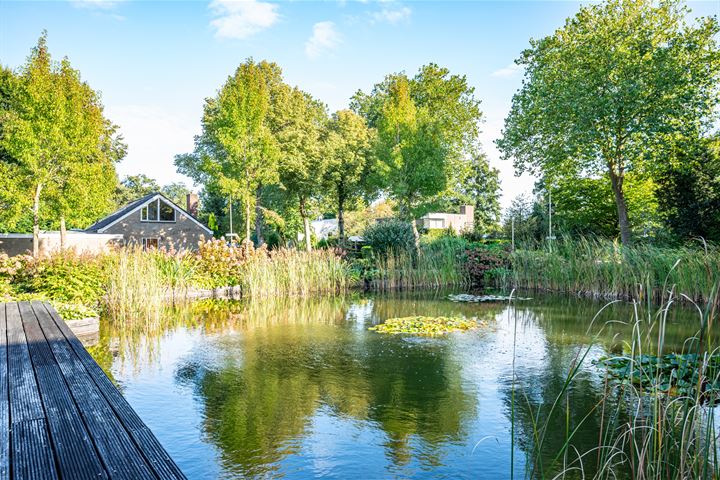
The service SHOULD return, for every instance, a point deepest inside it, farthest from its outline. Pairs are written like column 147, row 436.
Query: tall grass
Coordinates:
column 439, row 264
column 644, row 433
column 135, row 287
column 289, row 272
column 605, row 269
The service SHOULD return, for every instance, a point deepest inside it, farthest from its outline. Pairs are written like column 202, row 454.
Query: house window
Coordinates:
column 157, row 211
column 437, row 223
column 149, row 243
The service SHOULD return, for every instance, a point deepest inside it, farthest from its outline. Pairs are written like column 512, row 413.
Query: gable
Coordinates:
column 138, row 206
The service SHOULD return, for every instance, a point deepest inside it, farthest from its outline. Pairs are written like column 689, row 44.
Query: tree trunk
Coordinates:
column 623, row 222
column 341, row 218
column 247, row 221
column 416, row 234
column 306, row 225
column 258, row 219
column 36, row 221
column 63, row 234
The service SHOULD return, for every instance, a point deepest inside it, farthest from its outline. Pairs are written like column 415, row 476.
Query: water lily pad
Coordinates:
column 467, row 298
column 427, row 326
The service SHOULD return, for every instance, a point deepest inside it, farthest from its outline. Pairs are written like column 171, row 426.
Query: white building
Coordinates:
column 459, row 222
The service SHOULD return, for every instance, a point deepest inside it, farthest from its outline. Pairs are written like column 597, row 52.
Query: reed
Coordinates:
column 135, row 288
column 439, row 264
column 288, row 272
column 646, row 432
column 605, row 269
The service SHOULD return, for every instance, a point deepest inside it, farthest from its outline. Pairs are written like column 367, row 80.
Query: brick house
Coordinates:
column 154, row 221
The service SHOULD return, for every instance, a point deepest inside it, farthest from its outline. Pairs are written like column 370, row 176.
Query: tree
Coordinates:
column 302, row 163
column 177, row 192
column 427, row 130
column 611, row 91
column 480, row 185
column 689, row 190
column 348, row 142
column 234, row 154
column 133, row 187
column 57, row 142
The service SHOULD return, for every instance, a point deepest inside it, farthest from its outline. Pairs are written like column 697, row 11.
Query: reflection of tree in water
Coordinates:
column 267, row 384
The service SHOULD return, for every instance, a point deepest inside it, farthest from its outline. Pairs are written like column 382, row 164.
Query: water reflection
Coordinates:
column 300, row 387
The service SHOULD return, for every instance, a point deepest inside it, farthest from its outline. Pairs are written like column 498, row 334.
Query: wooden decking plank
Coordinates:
column 156, row 455
column 24, row 396
column 31, row 451
column 4, row 400
column 116, row 448
column 75, row 453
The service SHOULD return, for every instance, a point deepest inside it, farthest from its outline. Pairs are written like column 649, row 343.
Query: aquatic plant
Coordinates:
column 606, row 269
column 427, row 326
column 644, row 432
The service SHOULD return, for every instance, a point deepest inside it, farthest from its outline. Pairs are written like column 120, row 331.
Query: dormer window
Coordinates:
column 157, row 211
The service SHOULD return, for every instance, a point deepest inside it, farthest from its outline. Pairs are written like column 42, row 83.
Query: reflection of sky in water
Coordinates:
column 301, row 388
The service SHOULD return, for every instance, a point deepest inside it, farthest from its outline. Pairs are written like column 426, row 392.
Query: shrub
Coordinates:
column 484, row 264
column 66, row 277
column 390, row 235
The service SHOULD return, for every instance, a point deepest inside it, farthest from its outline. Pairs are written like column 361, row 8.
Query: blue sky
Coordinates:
column 156, row 61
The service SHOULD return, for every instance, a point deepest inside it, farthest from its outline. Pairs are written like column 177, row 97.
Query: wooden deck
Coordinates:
column 60, row 415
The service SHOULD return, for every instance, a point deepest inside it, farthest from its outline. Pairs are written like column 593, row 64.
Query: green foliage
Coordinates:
column 56, row 146
column 426, row 326
column 674, row 373
column 689, row 190
column 586, row 109
column 392, row 236
column 236, row 153
column 74, row 311
column 486, row 266
column 66, row 278
column 133, row 187
column 601, row 268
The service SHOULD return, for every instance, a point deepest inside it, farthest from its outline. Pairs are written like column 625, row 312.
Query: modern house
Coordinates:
column 154, row 221
column 459, row 222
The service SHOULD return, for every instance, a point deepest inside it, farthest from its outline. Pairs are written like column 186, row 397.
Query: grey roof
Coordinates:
column 119, row 213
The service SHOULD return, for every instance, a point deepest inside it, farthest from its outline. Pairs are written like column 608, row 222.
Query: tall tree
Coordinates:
column 233, row 154
column 133, row 187
column 611, row 91
column 348, row 144
column 55, row 132
column 302, row 163
column 427, row 130
column 689, row 190
column 481, row 186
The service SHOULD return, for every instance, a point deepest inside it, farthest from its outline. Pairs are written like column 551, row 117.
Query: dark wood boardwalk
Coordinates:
column 60, row 415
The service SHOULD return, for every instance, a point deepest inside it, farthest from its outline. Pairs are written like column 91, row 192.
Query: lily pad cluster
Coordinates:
column 427, row 326
column 674, row 374
column 465, row 297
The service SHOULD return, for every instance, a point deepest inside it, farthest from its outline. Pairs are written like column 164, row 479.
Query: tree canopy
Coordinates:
column 611, row 92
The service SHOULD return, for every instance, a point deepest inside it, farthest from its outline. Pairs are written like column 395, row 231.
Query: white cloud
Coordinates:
column 391, row 15
column 242, row 18
column 509, row 71
column 95, row 4
column 324, row 39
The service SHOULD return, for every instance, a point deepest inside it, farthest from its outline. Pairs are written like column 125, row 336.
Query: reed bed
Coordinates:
column 289, row 272
column 136, row 289
column 439, row 264
column 645, row 432
column 606, row 269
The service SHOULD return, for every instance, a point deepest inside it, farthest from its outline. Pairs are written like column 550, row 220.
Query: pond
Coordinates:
column 297, row 388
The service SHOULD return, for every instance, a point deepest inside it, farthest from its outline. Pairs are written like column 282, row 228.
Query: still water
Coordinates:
column 300, row 388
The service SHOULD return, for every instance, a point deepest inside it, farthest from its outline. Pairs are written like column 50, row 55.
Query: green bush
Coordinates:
column 66, row 278
column 391, row 235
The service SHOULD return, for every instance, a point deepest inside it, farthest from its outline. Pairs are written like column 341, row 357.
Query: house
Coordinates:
column 324, row 228
column 154, row 221
column 459, row 222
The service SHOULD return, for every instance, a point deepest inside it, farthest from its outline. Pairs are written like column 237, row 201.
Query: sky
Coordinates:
column 156, row 61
